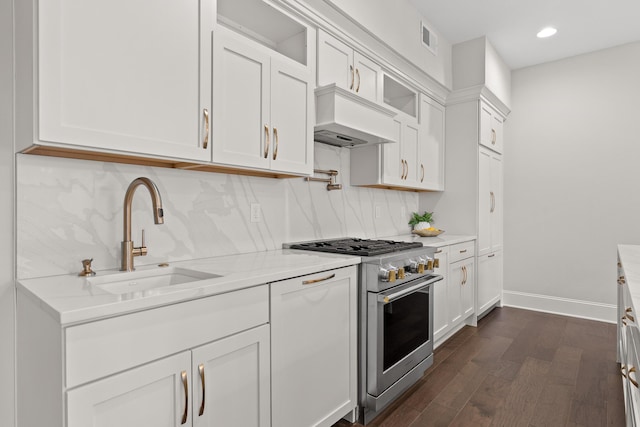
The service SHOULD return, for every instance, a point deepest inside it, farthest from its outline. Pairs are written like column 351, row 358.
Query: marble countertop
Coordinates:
column 630, row 258
column 71, row 299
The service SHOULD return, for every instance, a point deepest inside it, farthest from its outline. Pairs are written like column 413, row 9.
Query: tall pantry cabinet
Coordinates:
column 472, row 203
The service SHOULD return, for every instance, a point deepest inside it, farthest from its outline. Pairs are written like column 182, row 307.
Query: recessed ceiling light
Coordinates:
column 546, row 32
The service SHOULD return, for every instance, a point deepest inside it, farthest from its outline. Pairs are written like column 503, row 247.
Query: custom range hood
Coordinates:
column 345, row 119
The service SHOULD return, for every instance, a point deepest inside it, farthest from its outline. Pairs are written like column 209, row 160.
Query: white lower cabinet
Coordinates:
column 454, row 296
column 314, row 348
column 224, row 383
column 440, row 295
column 152, row 395
column 489, row 281
column 204, row 362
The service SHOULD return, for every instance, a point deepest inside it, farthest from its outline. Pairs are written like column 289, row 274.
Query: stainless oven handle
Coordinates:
column 394, row 296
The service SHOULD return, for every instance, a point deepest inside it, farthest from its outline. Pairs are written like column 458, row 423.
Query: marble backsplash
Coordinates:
column 69, row 210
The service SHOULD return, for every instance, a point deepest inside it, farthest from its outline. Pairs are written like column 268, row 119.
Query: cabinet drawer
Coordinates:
column 104, row 347
column 462, row 251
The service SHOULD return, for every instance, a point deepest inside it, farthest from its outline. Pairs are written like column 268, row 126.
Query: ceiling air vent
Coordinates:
column 429, row 39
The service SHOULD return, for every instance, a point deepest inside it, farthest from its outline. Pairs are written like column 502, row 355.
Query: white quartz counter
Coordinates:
column 434, row 242
column 71, row 299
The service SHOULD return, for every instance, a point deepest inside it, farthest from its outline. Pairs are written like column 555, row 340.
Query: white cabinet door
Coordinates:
column 335, row 62
column 491, row 128
column 432, row 140
column 241, row 129
column 490, row 201
column 368, row 78
column 291, row 118
column 105, row 81
column 410, row 152
column 496, row 210
column 393, row 167
column 489, row 280
column 338, row 63
column 440, row 295
column 261, row 107
column 153, row 395
column 468, row 288
column 314, row 348
column 461, row 286
column 231, row 381
column 454, row 306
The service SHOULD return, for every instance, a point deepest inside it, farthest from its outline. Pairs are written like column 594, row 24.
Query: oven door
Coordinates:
column 399, row 331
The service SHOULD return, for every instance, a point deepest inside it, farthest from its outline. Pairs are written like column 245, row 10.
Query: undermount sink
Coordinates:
column 145, row 280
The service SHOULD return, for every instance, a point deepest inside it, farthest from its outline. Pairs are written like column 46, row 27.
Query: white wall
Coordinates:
column 7, row 249
column 572, row 177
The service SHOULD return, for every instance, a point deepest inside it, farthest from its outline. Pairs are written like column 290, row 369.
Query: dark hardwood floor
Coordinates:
column 517, row 368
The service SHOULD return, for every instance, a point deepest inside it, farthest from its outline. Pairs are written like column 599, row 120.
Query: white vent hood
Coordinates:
column 347, row 120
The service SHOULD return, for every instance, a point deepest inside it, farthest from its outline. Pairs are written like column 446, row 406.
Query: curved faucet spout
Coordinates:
column 128, row 251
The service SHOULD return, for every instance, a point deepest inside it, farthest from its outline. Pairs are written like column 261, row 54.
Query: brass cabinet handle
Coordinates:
column 463, row 251
column 422, row 167
column 201, row 371
column 186, row 397
column 493, row 137
column 439, row 251
column 630, row 317
column 464, row 275
column 205, row 143
column 358, row 75
column 309, row 282
column 352, row 78
column 491, row 256
column 402, row 173
column 267, row 141
column 622, row 368
column 621, row 280
column 275, row 142
column 492, row 201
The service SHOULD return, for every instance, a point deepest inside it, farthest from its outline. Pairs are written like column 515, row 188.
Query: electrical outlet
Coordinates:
column 256, row 212
column 377, row 211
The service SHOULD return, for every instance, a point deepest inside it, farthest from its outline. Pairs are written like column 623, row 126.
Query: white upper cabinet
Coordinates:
column 432, row 144
column 122, row 76
column 491, row 124
column 262, row 96
column 338, row 63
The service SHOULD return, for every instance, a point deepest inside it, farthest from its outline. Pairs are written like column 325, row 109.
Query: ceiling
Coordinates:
column 511, row 25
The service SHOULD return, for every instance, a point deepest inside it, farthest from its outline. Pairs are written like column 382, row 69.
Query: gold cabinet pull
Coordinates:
column 205, row 143
column 309, row 282
column 201, row 371
column 621, row 280
column 186, row 397
column 267, row 141
column 406, row 174
column 493, row 137
column 358, row 75
column 630, row 317
column 352, row 77
column 402, row 173
column 464, row 275
column 275, row 142
column 422, row 167
column 492, row 201
column 622, row 368
column 463, row 251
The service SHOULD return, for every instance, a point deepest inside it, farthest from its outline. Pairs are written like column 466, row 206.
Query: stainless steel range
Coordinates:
column 395, row 315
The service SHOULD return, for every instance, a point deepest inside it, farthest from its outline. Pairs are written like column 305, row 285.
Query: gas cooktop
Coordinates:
column 355, row 246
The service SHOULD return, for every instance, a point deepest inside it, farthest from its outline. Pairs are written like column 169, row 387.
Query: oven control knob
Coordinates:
column 430, row 265
column 401, row 273
column 388, row 273
column 416, row 266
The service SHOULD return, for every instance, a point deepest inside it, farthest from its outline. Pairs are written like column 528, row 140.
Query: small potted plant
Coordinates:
column 422, row 224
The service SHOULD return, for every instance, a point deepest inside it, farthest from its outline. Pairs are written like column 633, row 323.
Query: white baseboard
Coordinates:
column 564, row 306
